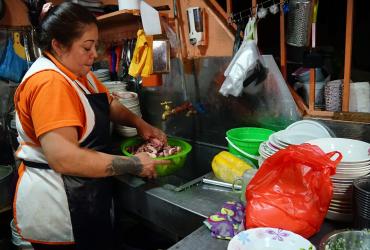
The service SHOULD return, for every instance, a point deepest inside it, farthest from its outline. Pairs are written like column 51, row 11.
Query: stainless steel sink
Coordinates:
column 159, row 203
column 198, row 163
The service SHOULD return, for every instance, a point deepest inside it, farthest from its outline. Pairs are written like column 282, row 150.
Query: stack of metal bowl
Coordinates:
column 361, row 202
column 346, row 239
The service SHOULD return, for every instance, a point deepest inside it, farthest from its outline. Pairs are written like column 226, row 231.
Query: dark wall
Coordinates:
column 331, row 25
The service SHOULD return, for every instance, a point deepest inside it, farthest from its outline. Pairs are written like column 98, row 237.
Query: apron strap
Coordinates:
column 38, row 165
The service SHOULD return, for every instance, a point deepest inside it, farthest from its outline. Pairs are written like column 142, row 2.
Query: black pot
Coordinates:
column 6, row 175
column 2, row 9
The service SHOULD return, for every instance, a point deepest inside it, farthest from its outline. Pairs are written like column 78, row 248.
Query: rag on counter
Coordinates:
column 228, row 222
column 142, row 60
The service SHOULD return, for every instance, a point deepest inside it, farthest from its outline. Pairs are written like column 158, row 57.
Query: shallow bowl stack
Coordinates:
column 115, row 86
column 355, row 163
column 102, row 74
column 130, row 101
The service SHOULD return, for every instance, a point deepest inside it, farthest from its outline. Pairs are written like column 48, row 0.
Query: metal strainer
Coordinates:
column 299, row 22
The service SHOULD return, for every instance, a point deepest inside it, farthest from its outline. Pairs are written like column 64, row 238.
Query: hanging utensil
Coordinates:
column 238, row 37
column 122, row 62
column 26, row 50
column 161, row 54
column 35, row 49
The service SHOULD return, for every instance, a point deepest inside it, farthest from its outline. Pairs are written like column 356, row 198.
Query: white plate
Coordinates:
column 265, row 150
column 340, row 210
column 344, row 181
column 342, row 185
column 332, row 215
column 345, row 198
column 351, row 175
column 352, row 150
column 344, row 206
column 274, row 142
column 346, row 169
column 279, row 137
column 357, row 164
column 293, row 138
column 347, row 203
column 260, row 161
column 309, row 127
column 268, row 238
column 272, row 146
column 264, row 155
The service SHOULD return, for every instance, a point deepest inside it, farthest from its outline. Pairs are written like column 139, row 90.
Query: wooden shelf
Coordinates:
column 121, row 17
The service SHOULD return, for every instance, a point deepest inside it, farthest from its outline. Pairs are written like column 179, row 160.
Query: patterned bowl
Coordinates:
column 269, row 238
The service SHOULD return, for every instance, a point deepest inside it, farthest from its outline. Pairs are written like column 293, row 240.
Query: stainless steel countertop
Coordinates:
column 200, row 239
column 202, row 200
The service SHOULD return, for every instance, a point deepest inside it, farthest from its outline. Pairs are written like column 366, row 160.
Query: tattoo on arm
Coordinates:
column 121, row 166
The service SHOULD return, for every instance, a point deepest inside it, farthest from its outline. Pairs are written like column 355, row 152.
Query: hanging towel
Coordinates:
column 142, row 60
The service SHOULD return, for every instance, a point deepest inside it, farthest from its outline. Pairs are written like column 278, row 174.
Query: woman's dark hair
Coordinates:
column 65, row 23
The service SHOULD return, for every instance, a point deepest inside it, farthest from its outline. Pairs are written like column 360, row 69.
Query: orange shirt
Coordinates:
column 46, row 101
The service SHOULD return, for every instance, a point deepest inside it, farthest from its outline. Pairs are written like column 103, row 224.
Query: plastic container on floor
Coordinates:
column 17, row 239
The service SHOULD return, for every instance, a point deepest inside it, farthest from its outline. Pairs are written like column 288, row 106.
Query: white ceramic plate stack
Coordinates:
column 268, row 238
column 295, row 134
column 115, row 86
column 102, row 74
column 355, row 163
column 130, row 101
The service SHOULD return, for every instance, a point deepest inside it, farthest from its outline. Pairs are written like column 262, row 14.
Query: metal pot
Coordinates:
column 2, row 8
column 6, row 174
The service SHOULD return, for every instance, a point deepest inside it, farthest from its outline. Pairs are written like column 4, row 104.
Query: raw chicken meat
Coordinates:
column 155, row 148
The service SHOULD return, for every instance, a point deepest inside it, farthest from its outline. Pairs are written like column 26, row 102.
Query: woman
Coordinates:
column 63, row 197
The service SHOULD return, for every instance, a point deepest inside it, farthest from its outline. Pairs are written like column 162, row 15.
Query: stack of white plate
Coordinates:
column 355, row 163
column 115, row 86
column 295, row 134
column 130, row 101
column 102, row 74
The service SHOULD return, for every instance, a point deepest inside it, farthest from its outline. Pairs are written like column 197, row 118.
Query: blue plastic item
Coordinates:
column 12, row 66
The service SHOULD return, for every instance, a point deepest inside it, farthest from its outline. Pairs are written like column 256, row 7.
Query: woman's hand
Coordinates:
column 148, row 165
column 148, row 132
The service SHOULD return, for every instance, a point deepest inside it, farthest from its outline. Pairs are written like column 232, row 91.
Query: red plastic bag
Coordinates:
column 292, row 190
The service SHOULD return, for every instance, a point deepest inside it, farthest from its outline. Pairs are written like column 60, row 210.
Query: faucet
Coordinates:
column 167, row 110
column 186, row 106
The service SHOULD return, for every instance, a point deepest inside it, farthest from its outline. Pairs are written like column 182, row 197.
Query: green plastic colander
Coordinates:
column 177, row 160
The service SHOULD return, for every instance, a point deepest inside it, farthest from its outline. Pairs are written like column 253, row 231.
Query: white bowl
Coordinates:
column 268, row 238
column 333, row 215
column 126, row 95
column 352, row 150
